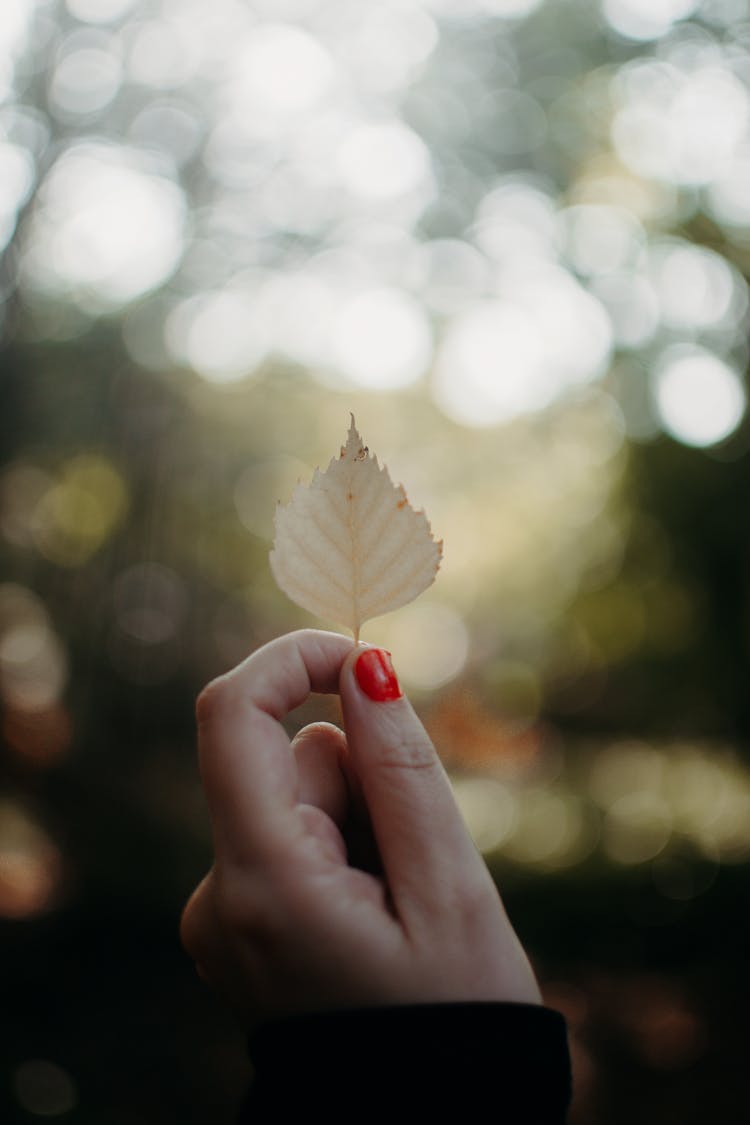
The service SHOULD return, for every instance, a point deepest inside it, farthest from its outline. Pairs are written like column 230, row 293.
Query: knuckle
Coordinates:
column 318, row 733
column 476, row 902
column 464, row 907
column 211, row 699
column 193, row 922
column 409, row 754
column 245, row 911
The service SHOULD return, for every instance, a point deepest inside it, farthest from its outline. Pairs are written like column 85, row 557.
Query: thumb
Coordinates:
column 424, row 845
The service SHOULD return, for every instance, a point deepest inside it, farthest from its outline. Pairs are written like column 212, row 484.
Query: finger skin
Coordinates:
column 320, row 752
column 427, row 853
column 248, row 768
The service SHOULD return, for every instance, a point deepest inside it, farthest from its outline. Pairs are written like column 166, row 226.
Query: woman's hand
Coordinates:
column 294, row 917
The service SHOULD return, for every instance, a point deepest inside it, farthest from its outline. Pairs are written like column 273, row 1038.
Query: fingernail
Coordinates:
column 375, row 675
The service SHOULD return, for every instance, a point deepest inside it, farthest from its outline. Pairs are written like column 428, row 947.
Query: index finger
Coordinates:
column 247, row 765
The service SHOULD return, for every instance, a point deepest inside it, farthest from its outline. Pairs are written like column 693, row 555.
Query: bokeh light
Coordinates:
column 700, row 398
column 44, row 1089
column 679, row 125
column 15, row 28
column 602, row 239
column 150, row 602
column 86, row 78
column 431, row 640
column 637, row 827
column 17, row 175
column 220, row 335
column 383, row 160
column 164, row 53
column 697, row 289
column 33, row 662
column 549, row 833
column 381, row 339
column 646, row 19
column 489, row 809
column 728, row 193
column 99, row 11
column 643, row 804
column 104, row 229
column 80, row 510
column 519, row 354
column 30, row 865
column 38, row 736
column 280, row 72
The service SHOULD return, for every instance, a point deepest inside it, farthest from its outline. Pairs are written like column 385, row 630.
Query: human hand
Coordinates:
column 285, row 922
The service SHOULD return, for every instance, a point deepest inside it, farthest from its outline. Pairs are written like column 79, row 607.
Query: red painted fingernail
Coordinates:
column 375, row 675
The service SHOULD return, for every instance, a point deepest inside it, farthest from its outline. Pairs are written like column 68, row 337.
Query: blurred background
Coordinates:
column 513, row 237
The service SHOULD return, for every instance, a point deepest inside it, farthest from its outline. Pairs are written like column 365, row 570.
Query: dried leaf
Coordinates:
column 349, row 546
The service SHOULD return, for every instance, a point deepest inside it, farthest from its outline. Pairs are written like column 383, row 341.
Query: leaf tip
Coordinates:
column 354, row 450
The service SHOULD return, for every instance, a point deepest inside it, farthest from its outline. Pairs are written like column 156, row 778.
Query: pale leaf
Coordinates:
column 349, row 546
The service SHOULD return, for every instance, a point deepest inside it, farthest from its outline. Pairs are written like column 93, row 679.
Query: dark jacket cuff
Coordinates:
column 510, row 1058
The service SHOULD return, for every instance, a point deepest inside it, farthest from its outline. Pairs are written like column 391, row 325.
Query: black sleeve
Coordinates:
column 509, row 1060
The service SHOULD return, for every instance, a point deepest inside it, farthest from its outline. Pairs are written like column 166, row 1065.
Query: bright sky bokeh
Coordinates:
column 360, row 189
